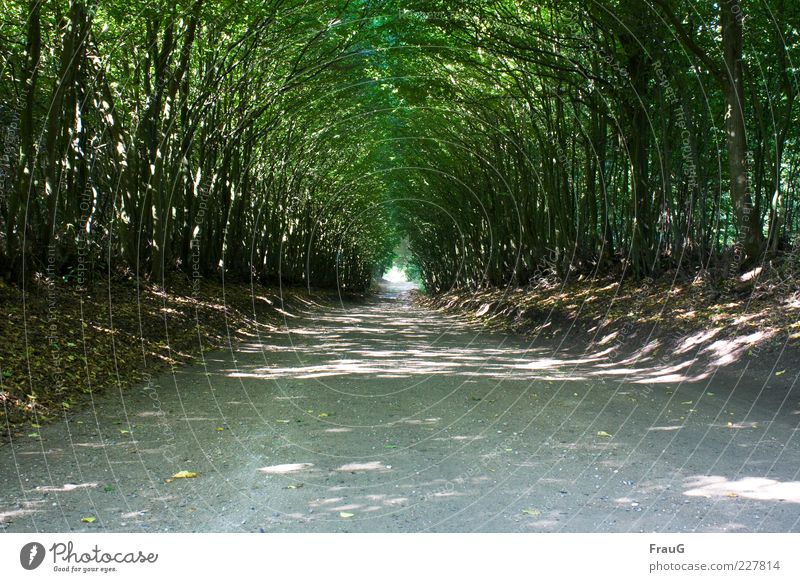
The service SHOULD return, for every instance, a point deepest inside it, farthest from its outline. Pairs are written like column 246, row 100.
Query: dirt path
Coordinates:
column 386, row 417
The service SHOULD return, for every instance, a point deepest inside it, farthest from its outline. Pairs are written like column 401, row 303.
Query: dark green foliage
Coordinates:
column 505, row 140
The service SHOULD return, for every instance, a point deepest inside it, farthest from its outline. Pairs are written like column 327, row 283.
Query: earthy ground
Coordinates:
column 62, row 345
column 389, row 416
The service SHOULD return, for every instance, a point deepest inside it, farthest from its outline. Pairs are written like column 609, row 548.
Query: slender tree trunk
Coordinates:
column 15, row 226
column 747, row 218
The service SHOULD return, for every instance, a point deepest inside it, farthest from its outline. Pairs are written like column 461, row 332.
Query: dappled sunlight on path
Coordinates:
column 380, row 416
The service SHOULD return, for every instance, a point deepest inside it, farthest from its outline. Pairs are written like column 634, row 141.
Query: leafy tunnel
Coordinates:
column 599, row 199
column 305, row 141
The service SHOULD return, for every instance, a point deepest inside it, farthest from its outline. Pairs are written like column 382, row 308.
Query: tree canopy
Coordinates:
column 302, row 141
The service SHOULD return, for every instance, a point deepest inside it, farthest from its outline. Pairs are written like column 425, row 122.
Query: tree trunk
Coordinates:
column 15, row 228
column 750, row 236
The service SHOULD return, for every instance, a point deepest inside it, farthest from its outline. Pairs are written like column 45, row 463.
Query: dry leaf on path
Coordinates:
column 184, row 475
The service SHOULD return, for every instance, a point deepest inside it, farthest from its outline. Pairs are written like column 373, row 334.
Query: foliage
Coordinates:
column 507, row 140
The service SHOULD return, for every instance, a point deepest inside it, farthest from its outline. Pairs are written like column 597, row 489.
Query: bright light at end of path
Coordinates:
column 395, row 275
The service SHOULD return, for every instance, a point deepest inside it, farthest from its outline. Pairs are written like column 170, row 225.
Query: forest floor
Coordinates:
column 730, row 315
column 385, row 415
column 62, row 345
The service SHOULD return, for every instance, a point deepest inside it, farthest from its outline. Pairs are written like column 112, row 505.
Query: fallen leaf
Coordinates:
column 732, row 495
column 688, row 402
column 34, row 435
column 602, row 433
column 781, row 373
column 184, row 475
column 323, row 414
column 345, row 514
column 220, row 428
column 283, row 421
column 533, row 512
column 122, row 431
column 88, row 519
column 296, row 486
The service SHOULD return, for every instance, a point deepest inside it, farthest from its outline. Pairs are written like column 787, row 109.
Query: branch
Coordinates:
column 688, row 42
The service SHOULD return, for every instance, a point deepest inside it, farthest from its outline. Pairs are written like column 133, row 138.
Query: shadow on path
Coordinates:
column 385, row 417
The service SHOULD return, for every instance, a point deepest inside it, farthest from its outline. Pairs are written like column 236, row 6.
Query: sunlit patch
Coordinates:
column 346, row 507
column 750, row 275
column 65, row 487
column 286, row 468
column 417, row 421
column 370, row 466
column 448, row 494
column 744, row 424
column 27, row 508
column 328, row 501
column 758, row 488
column 395, row 275
column 728, row 351
column 608, row 338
